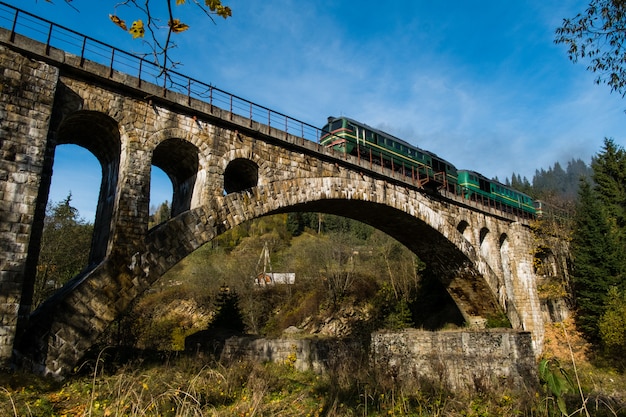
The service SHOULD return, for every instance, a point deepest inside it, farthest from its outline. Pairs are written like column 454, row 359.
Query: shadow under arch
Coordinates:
column 178, row 158
column 99, row 134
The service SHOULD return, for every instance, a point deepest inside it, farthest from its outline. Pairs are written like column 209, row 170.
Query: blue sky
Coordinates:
column 482, row 84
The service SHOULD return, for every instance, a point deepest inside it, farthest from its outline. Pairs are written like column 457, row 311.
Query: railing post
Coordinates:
column 12, row 38
column 111, row 64
column 82, row 52
column 189, row 92
column 48, row 40
column 139, row 72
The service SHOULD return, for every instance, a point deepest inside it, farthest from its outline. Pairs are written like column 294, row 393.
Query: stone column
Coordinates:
column 525, row 283
column 27, row 90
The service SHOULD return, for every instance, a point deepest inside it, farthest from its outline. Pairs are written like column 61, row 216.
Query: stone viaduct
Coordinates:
column 226, row 169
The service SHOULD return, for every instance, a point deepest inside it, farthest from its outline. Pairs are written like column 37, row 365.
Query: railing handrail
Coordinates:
column 185, row 86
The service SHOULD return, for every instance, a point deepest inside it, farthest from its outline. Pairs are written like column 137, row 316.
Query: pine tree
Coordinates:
column 228, row 315
column 595, row 253
column 609, row 173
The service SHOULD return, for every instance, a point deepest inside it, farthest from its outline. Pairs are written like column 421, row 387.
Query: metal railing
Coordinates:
column 88, row 49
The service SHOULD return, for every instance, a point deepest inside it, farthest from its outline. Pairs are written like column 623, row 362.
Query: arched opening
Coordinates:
column 347, row 277
column 161, row 192
column 485, row 244
column 69, row 219
column 505, row 260
column 68, row 160
column 73, row 233
column 240, row 174
column 483, row 234
column 463, row 228
column 178, row 159
column 100, row 135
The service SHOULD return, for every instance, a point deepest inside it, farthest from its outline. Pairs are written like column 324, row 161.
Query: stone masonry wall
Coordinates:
column 456, row 360
column 27, row 90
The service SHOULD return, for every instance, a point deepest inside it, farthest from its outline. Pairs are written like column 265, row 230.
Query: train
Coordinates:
column 426, row 168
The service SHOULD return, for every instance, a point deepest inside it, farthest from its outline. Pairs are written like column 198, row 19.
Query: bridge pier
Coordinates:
column 26, row 102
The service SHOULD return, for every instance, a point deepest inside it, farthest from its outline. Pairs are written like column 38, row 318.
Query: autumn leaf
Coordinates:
column 213, row 4
column 179, row 2
column 219, row 9
column 177, row 26
column 224, row 11
column 118, row 21
column 137, row 29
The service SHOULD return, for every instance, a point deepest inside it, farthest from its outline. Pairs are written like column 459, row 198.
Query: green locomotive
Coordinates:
column 354, row 138
column 351, row 137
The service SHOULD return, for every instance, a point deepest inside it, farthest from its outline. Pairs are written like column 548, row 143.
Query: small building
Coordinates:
column 272, row 278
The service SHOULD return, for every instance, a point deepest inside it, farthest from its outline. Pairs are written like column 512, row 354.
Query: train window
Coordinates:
column 337, row 124
column 351, row 127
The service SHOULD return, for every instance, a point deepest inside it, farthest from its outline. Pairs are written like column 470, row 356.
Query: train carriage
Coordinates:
column 475, row 186
column 352, row 137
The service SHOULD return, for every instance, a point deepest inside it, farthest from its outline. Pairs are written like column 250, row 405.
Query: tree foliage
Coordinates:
column 612, row 324
column 65, row 244
column 609, row 174
column 599, row 35
column 598, row 244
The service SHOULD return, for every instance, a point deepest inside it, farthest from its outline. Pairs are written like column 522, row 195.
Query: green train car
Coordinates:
column 473, row 186
column 352, row 137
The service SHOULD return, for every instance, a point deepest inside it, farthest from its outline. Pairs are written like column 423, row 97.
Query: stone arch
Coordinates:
column 506, row 266
column 249, row 167
column 486, row 245
column 178, row 158
column 483, row 235
column 465, row 230
column 240, row 174
column 451, row 256
column 99, row 134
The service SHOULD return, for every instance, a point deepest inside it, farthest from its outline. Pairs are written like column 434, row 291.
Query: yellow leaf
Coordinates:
column 137, row 29
column 179, row 2
column 224, row 11
column 177, row 26
column 213, row 4
column 118, row 21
